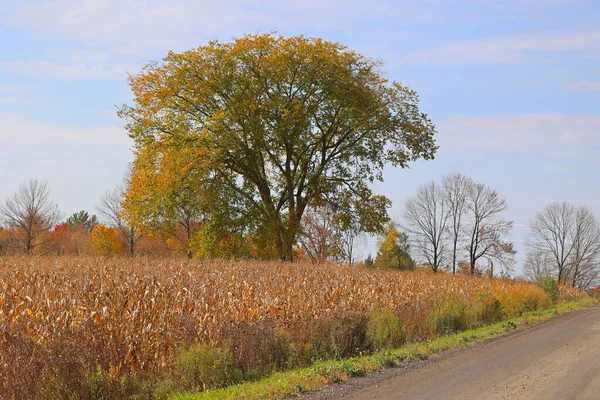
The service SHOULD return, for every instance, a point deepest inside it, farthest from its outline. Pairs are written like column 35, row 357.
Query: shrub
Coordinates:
column 99, row 384
column 451, row 317
column 568, row 293
column 550, row 286
column 488, row 309
column 260, row 349
column 385, row 329
column 342, row 335
column 521, row 298
column 201, row 367
column 53, row 387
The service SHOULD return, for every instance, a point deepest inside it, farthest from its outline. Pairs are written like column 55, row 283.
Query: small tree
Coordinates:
column 551, row 233
column 169, row 194
column 319, row 238
column 426, row 215
column 394, row 251
column 538, row 265
column 82, row 221
column 111, row 209
column 486, row 229
column 106, row 240
column 456, row 188
column 584, row 263
column 30, row 213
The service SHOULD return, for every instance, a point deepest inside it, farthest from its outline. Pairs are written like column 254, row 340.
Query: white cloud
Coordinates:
column 136, row 26
column 12, row 94
column 19, row 129
column 156, row 24
column 106, row 38
column 102, row 39
column 587, row 86
column 76, row 65
column 530, row 134
column 508, row 50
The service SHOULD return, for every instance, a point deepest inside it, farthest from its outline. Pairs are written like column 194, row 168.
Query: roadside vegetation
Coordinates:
column 323, row 374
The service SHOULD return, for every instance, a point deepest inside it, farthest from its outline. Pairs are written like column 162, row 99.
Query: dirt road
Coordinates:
column 558, row 359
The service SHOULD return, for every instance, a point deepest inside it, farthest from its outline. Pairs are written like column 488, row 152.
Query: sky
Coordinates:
column 513, row 86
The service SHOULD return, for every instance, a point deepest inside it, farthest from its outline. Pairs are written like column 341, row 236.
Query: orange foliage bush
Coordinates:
column 568, row 293
column 106, row 240
column 519, row 297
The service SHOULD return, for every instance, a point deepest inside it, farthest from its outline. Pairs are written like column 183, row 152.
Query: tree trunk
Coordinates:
column 454, row 257
column 131, row 243
column 188, row 229
column 287, row 237
column 28, row 244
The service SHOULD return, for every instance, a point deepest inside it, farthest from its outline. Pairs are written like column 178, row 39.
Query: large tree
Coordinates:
column 30, row 213
column 584, row 270
column 283, row 122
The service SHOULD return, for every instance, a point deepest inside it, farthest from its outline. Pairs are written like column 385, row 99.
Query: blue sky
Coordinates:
column 513, row 86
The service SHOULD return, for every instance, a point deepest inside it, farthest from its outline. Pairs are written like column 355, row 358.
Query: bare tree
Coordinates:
column 31, row 213
column 426, row 216
column 111, row 209
column 334, row 230
column 456, row 188
column 501, row 254
column 552, row 233
column 584, row 262
column 353, row 220
column 570, row 236
column 485, row 227
column 352, row 241
column 319, row 238
column 538, row 265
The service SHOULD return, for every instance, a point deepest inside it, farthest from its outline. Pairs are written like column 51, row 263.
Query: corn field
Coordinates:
column 129, row 314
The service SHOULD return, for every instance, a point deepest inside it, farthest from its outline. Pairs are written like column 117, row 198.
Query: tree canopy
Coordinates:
column 82, row 220
column 281, row 123
column 394, row 251
column 30, row 213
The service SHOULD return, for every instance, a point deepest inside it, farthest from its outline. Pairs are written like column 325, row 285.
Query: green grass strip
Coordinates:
column 322, row 374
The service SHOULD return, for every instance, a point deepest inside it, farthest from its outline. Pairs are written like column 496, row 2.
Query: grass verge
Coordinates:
column 322, row 374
